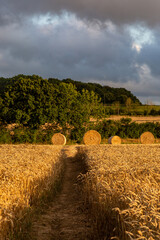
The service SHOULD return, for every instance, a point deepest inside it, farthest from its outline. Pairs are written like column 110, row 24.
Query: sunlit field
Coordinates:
column 122, row 188
column 27, row 173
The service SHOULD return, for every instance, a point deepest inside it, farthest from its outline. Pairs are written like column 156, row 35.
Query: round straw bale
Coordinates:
column 147, row 138
column 92, row 137
column 114, row 140
column 58, row 139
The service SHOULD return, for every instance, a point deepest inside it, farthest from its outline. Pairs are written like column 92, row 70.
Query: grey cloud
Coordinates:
column 118, row 11
column 150, row 99
column 67, row 51
column 75, row 49
column 150, row 55
column 7, row 15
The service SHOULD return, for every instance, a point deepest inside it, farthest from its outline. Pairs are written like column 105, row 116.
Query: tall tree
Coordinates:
column 71, row 111
column 29, row 102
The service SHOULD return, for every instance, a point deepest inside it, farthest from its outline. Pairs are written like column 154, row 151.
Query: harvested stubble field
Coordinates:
column 137, row 119
column 122, row 188
column 27, row 172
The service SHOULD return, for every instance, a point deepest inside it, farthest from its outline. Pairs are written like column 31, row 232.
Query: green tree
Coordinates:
column 92, row 104
column 29, row 102
column 117, row 106
column 128, row 104
column 71, row 110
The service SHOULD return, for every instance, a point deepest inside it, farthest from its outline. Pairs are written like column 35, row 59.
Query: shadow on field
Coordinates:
column 67, row 217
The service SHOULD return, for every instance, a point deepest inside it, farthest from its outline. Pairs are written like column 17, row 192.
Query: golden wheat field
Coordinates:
column 122, row 187
column 26, row 172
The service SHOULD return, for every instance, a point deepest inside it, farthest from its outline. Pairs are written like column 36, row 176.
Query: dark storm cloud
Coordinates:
column 118, row 11
column 91, row 43
column 67, row 50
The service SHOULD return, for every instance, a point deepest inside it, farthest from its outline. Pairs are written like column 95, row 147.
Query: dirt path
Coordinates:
column 66, row 218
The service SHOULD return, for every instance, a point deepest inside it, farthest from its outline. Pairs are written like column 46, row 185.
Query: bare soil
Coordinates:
column 66, row 218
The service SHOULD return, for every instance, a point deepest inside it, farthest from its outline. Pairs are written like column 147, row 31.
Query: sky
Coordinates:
column 111, row 42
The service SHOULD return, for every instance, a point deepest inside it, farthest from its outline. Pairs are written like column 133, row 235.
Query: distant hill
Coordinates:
column 107, row 94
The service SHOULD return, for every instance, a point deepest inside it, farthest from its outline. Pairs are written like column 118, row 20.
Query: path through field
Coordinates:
column 66, row 218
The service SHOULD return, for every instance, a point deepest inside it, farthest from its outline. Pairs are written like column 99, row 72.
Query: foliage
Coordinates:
column 126, row 121
column 71, row 108
column 107, row 94
column 132, row 110
column 32, row 101
column 77, row 134
column 107, row 128
column 26, row 135
column 29, row 102
column 126, row 129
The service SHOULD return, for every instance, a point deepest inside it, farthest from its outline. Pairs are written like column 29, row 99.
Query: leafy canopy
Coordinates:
column 29, row 102
column 34, row 101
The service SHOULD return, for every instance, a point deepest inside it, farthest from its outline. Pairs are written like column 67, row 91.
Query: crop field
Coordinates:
column 122, row 187
column 26, row 173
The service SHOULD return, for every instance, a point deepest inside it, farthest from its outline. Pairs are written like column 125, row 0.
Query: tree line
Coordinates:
column 108, row 95
column 33, row 101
